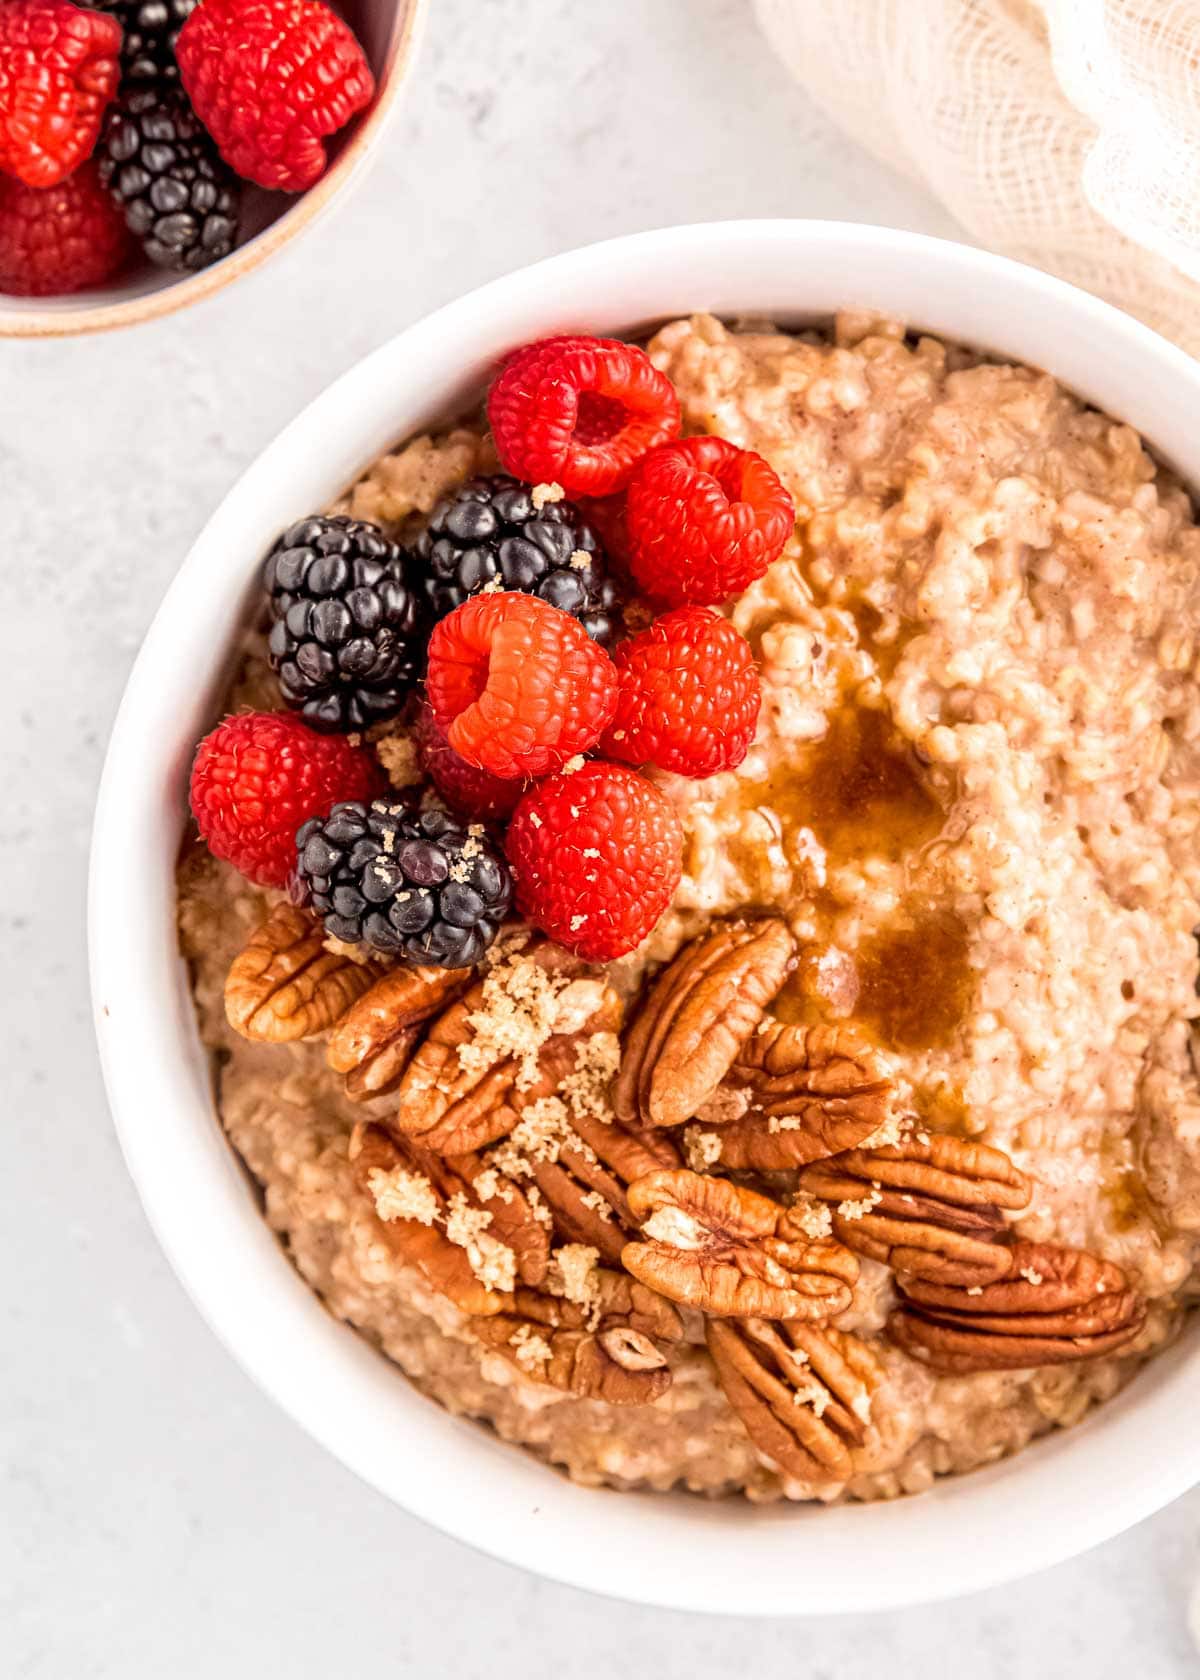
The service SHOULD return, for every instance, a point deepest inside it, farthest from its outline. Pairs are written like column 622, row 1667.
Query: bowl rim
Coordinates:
column 1056, row 1498
column 297, row 218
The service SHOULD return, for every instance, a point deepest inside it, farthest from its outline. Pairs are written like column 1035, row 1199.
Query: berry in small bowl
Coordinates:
column 215, row 129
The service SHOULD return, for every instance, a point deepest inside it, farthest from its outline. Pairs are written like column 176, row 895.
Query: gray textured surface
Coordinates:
column 157, row 1515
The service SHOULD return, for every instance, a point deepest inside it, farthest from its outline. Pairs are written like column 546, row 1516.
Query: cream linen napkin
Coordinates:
column 1062, row 132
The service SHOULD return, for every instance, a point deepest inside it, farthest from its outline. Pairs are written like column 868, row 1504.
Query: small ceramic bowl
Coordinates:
column 1059, row 1496
column 387, row 30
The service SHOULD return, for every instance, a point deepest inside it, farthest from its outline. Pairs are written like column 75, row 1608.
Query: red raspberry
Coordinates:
column 596, row 856
column 60, row 239
column 58, row 70
column 270, row 79
column 688, row 697
column 470, row 792
column 579, row 412
column 705, row 519
column 518, row 686
column 259, row 776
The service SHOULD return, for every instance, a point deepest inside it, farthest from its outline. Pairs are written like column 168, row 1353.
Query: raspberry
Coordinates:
column 704, row 519
column 60, row 239
column 259, row 776
column 580, row 412
column 270, row 79
column 596, row 856
column 518, row 686
column 688, row 697
column 58, row 70
column 471, row 792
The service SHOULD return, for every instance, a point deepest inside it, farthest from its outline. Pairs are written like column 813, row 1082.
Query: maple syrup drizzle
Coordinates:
column 915, row 983
column 1131, row 1204
column 886, row 654
column 862, row 794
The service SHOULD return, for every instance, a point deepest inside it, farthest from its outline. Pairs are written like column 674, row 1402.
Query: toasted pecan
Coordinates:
column 698, row 1014
column 585, row 1183
column 284, row 985
column 373, row 1042
column 808, row 1092
column 708, row 1243
column 613, row 1349
column 426, row 1192
column 929, row 1206
column 453, row 1100
column 513, row 1221
column 1052, row 1305
column 802, row 1392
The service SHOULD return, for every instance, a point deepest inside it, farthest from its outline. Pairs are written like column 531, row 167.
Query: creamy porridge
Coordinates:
column 962, row 855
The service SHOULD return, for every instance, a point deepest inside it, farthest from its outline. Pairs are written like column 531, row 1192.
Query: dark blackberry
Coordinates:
column 164, row 171
column 151, row 31
column 346, row 636
column 490, row 531
column 416, row 884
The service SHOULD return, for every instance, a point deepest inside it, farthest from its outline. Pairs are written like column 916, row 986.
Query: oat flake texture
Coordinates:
column 1028, row 117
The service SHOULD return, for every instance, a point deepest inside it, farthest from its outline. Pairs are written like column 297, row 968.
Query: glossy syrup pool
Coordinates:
column 1130, row 1203
column 862, row 794
column 915, row 983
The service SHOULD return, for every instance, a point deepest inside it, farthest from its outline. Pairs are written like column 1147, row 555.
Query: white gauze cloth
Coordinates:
column 1065, row 133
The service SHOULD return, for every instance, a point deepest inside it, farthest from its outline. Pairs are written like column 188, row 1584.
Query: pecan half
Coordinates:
column 715, row 1245
column 471, row 1245
column 513, row 1221
column 285, row 985
column 809, row 1092
column 803, row 1394
column 699, row 1013
column 611, row 1349
column 374, row 1041
column 584, row 1180
column 1052, row 1305
column 459, row 1094
column 928, row 1206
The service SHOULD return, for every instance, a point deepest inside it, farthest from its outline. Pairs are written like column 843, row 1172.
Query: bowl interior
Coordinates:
column 269, row 220
column 1065, row 1493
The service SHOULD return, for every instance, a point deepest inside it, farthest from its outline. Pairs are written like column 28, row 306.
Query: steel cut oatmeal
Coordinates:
column 880, row 1156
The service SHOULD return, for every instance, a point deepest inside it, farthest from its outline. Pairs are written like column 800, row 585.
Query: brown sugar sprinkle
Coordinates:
column 523, row 1004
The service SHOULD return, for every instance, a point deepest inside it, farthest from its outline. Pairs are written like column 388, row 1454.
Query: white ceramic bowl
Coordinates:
column 1055, row 1499
column 388, row 32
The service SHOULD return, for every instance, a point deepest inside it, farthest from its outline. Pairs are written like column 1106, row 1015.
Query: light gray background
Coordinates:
column 157, row 1516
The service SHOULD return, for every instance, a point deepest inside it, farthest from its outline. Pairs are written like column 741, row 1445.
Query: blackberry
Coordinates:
column 346, row 639
column 164, row 171
column 151, row 31
column 416, row 884
column 490, row 531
